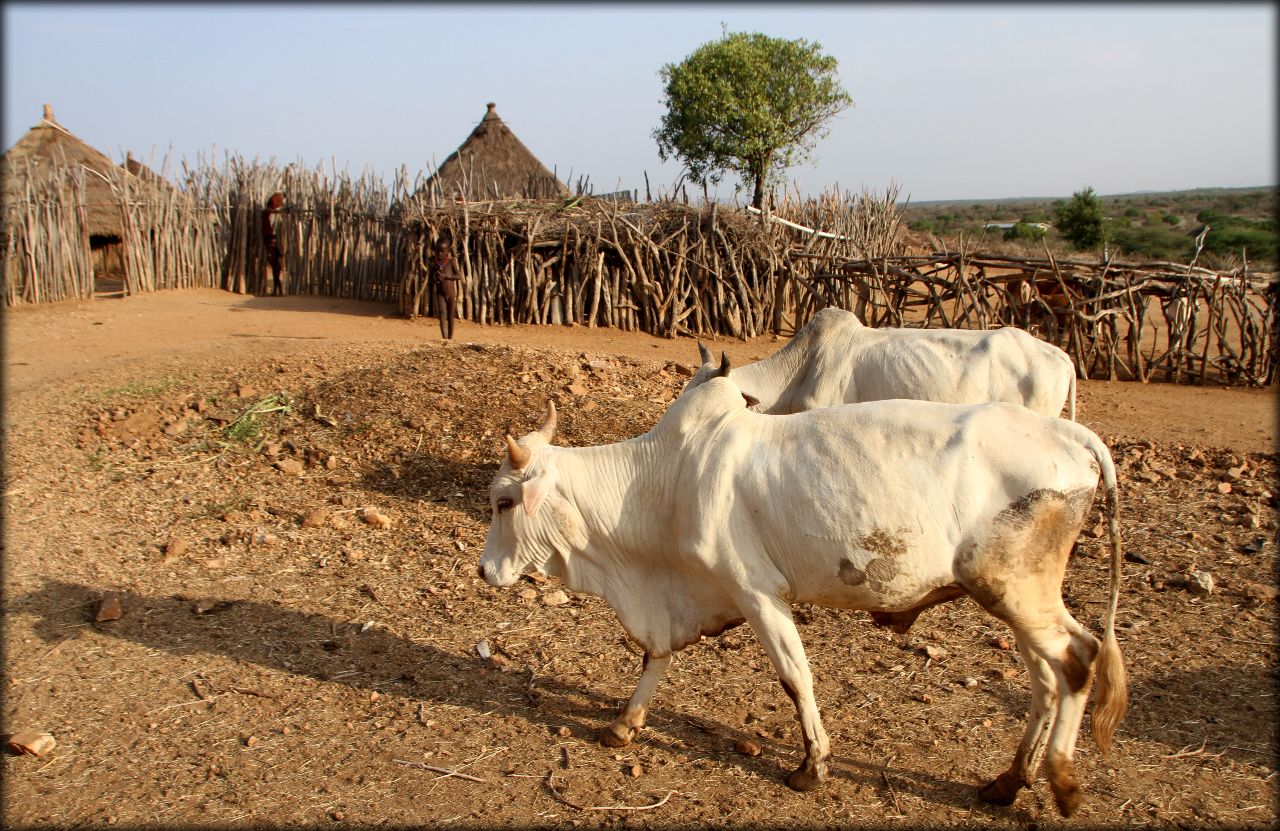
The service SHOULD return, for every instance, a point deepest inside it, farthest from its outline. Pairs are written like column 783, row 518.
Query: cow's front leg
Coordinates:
column 631, row 718
column 771, row 619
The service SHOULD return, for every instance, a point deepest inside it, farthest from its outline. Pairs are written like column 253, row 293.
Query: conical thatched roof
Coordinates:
column 47, row 146
column 493, row 164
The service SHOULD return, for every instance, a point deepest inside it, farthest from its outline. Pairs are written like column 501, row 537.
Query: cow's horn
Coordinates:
column 519, row 455
column 724, row 365
column 548, row 427
column 704, row 353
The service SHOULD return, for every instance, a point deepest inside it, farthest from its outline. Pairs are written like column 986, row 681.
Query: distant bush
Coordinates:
column 1154, row 243
column 1171, row 219
column 1081, row 221
column 1024, row 230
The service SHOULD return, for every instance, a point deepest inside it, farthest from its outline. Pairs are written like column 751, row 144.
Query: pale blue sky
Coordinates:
column 952, row 101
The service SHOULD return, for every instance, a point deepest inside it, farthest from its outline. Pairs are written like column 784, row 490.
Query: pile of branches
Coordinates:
column 663, row 267
column 1117, row 320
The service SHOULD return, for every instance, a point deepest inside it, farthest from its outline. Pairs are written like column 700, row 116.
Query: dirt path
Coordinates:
column 89, row 342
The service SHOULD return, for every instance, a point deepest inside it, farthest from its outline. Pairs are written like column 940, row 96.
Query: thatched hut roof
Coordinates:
column 48, row 146
column 493, row 164
column 144, row 173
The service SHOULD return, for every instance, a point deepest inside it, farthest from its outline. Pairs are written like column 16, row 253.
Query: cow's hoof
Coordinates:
column 1002, row 790
column 617, row 735
column 805, row 780
column 1068, row 798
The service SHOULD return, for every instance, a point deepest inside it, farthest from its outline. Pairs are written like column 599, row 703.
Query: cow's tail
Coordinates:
column 1112, row 694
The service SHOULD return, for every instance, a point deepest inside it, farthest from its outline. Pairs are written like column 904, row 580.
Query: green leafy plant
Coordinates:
column 1082, row 221
column 749, row 104
column 248, row 427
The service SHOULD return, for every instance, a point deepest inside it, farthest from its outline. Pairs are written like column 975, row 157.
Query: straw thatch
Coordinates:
column 48, row 147
column 493, row 164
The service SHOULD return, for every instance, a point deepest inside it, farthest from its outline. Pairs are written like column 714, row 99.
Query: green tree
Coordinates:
column 1081, row 221
column 749, row 104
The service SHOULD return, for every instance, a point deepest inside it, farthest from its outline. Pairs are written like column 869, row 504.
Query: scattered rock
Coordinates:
column 1200, row 583
column 1135, row 557
column 250, row 741
column 245, row 391
column 936, row 653
column 331, row 463
column 32, row 742
column 577, row 388
column 1001, row 643
column 969, row 681
column 1255, row 546
column 109, row 608
column 1258, row 592
column 563, row 732
column 1224, row 487
column 376, row 518
column 482, row 649
column 204, row 606
column 527, row 594
column 272, row 449
column 747, row 747
column 1003, row 673
column 499, row 660
column 292, row 467
column 635, row 771
column 316, row 518
column 175, row 428
column 174, row 548
column 555, row 598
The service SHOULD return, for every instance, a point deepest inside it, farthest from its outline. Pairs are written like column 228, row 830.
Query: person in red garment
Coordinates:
column 271, row 243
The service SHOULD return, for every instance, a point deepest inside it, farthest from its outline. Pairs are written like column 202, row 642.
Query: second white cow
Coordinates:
column 719, row 516
column 836, row 359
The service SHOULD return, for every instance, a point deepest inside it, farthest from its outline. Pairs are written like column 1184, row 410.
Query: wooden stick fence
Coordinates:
column 663, row 267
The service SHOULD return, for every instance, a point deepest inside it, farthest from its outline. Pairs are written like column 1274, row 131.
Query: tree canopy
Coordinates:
column 1082, row 222
column 749, row 104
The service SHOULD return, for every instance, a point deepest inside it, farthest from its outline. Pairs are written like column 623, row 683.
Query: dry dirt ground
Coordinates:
column 287, row 498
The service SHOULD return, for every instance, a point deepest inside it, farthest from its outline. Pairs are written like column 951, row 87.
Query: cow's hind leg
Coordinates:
column 631, row 719
column 1004, row 788
column 771, row 620
column 1018, row 578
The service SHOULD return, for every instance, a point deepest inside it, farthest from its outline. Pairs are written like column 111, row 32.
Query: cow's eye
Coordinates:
column 504, row 503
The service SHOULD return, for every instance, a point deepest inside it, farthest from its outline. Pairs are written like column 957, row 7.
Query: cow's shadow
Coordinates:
column 329, row 649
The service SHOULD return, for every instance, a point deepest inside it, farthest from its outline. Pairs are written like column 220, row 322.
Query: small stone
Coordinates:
column 32, row 742
column 563, row 732
column 935, row 653
column 216, row 562
column 635, row 771
column 315, row 518
column 331, row 463
column 1135, row 557
column 1259, row 592
column 376, row 518
column 969, row 681
column 174, row 548
column 1224, row 487
column 109, row 608
column 245, row 391
column 203, row 606
column 555, row 598
column 175, row 428
column 292, row 467
column 527, row 594
column 499, row 660
column 1200, row 583
column 577, row 388
column 272, row 449
column 1001, row 643
column 482, row 649
column 747, row 747
column 250, row 741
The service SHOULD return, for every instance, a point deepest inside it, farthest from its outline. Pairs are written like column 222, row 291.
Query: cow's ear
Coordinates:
column 534, row 490
column 750, row 399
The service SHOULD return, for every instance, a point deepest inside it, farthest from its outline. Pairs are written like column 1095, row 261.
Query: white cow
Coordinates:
column 719, row 515
column 835, row 359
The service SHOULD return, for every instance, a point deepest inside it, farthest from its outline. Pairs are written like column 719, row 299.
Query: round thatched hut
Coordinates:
column 50, row 155
column 493, row 164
